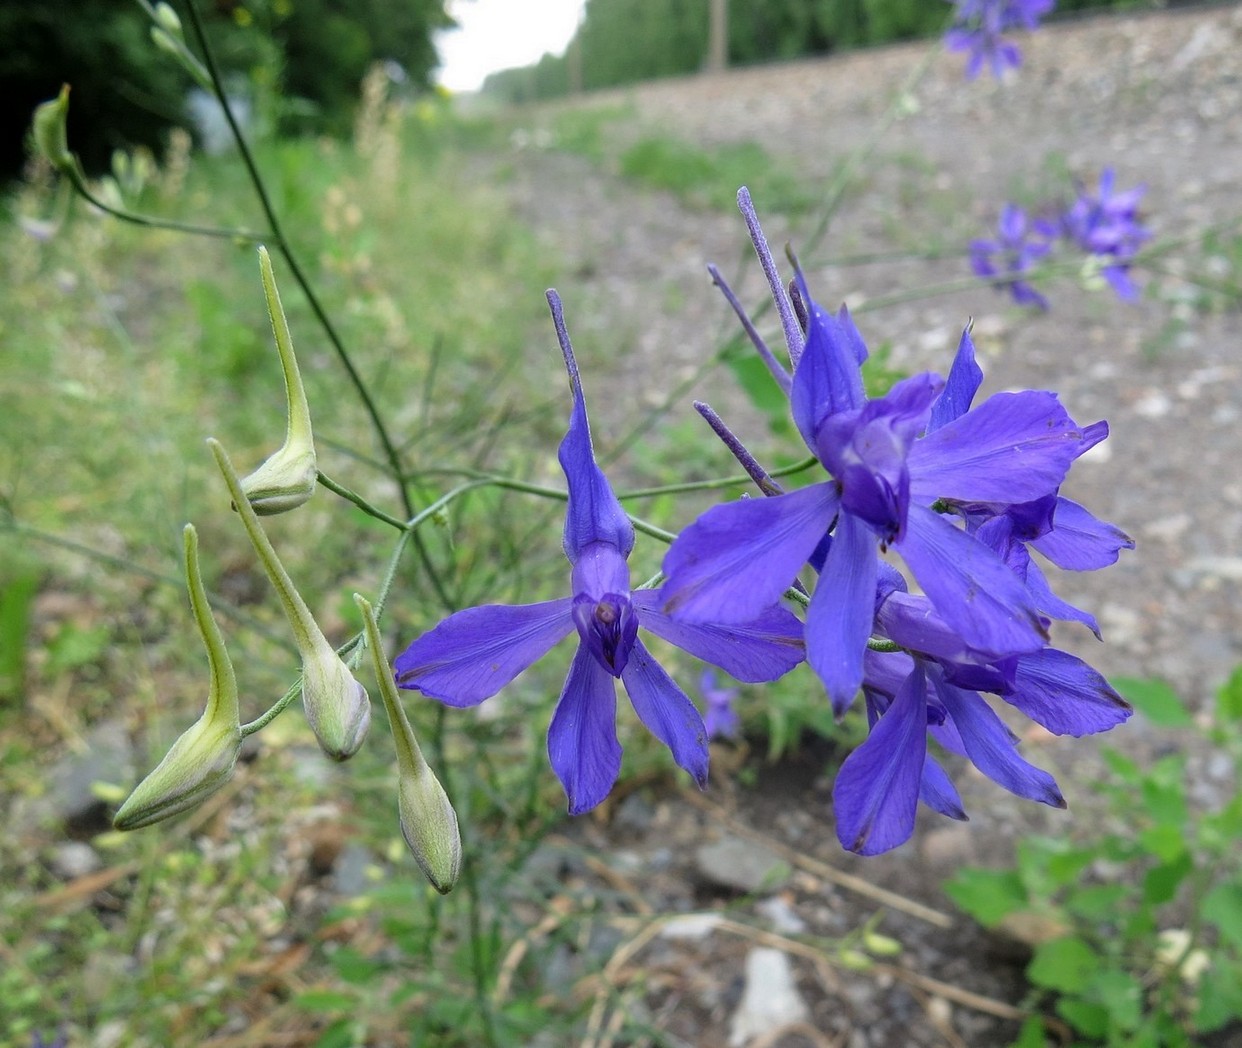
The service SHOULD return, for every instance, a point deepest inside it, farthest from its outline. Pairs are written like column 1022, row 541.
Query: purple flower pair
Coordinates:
column 1102, row 223
column 471, row 655
column 979, row 28
column 961, row 494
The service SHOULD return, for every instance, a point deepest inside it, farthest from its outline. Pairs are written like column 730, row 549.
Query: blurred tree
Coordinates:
column 126, row 92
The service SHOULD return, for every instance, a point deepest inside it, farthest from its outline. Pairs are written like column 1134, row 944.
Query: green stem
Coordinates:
column 359, row 501
column 325, row 323
column 149, row 221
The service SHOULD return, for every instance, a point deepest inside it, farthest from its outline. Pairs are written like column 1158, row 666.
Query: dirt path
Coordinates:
column 1159, row 97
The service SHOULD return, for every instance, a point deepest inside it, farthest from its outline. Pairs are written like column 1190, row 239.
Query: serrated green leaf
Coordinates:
column 1032, row 1034
column 1096, row 901
column 1155, row 700
column 1166, row 842
column 1063, row 964
column 1220, row 996
column 1121, row 994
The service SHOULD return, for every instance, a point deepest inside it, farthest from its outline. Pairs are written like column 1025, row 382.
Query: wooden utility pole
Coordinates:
column 718, row 37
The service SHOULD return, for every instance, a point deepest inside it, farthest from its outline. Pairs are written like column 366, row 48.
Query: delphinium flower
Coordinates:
column 1011, row 254
column 961, row 493
column 1105, row 224
column 474, row 653
column 979, row 27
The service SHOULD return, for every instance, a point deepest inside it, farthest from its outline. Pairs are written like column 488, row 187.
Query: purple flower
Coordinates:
column 897, row 464
column 1105, row 224
column 1011, row 254
column 471, row 655
column 979, row 27
column 719, row 717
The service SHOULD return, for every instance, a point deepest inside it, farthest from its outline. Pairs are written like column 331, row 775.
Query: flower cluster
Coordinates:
column 962, row 494
column 1103, row 223
column 979, row 27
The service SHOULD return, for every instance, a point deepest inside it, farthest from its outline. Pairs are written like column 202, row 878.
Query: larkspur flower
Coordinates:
column 979, row 27
column 965, row 494
column 891, row 469
column 1105, row 224
column 474, row 653
column 1011, row 254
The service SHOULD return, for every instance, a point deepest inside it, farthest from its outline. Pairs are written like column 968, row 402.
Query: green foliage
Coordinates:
column 1140, row 930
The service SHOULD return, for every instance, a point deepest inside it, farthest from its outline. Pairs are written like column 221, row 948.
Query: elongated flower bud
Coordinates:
column 428, row 821
column 202, row 759
column 51, row 131
column 287, row 478
column 337, row 707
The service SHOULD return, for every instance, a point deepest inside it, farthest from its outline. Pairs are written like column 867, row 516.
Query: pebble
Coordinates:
column 770, row 998
column 73, row 859
column 742, row 865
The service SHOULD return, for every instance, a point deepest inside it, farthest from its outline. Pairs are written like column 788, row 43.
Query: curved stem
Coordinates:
column 84, row 190
column 359, row 501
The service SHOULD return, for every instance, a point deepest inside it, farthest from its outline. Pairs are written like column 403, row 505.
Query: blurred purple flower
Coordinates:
column 719, row 717
column 1105, row 224
column 979, row 27
column 1012, row 253
column 474, row 653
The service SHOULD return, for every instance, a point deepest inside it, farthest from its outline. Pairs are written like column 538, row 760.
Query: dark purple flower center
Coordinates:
column 608, row 627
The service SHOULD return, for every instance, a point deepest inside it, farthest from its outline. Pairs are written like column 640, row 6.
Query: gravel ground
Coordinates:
column 1156, row 96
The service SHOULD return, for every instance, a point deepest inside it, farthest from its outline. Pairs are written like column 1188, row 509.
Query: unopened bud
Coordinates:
column 337, row 707
column 428, row 821
column 287, row 478
column 51, row 131
column 202, row 759
column 166, row 18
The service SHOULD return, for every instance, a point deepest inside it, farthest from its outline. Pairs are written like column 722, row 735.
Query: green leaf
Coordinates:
column 1229, row 699
column 1096, row 901
column 1090, row 1020
column 1032, row 1034
column 1223, row 907
column 326, row 1001
column 1120, row 994
column 1161, row 882
column 1220, row 996
column 1063, row 964
column 987, row 895
column 1166, row 842
column 1155, row 700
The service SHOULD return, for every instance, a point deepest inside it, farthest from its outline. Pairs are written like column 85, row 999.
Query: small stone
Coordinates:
column 770, row 998
column 74, row 859
column 782, row 916
column 691, row 927
column 742, row 865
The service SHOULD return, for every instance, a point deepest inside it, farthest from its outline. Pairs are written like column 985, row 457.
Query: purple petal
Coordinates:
column 582, row 738
column 828, row 379
column 938, row 792
column 1079, row 541
column 1065, row 695
column 876, row 793
column 965, row 378
column 1052, row 605
column 990, row 747
column 970, row 586
column 594, row 514
column 841, row 613
column 1014, row 447
column 763, row 649
column 473, row 654
column 667, row 712
column 736, row 560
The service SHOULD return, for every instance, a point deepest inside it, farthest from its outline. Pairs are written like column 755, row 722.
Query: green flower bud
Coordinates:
column 287, row 478
column 51, row 132
column 428, row 821
column 337, row 707
column 166, row 18
column 202, row 759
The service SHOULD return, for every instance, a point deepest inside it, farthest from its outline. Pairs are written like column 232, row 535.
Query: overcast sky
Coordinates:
column 498, row 34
